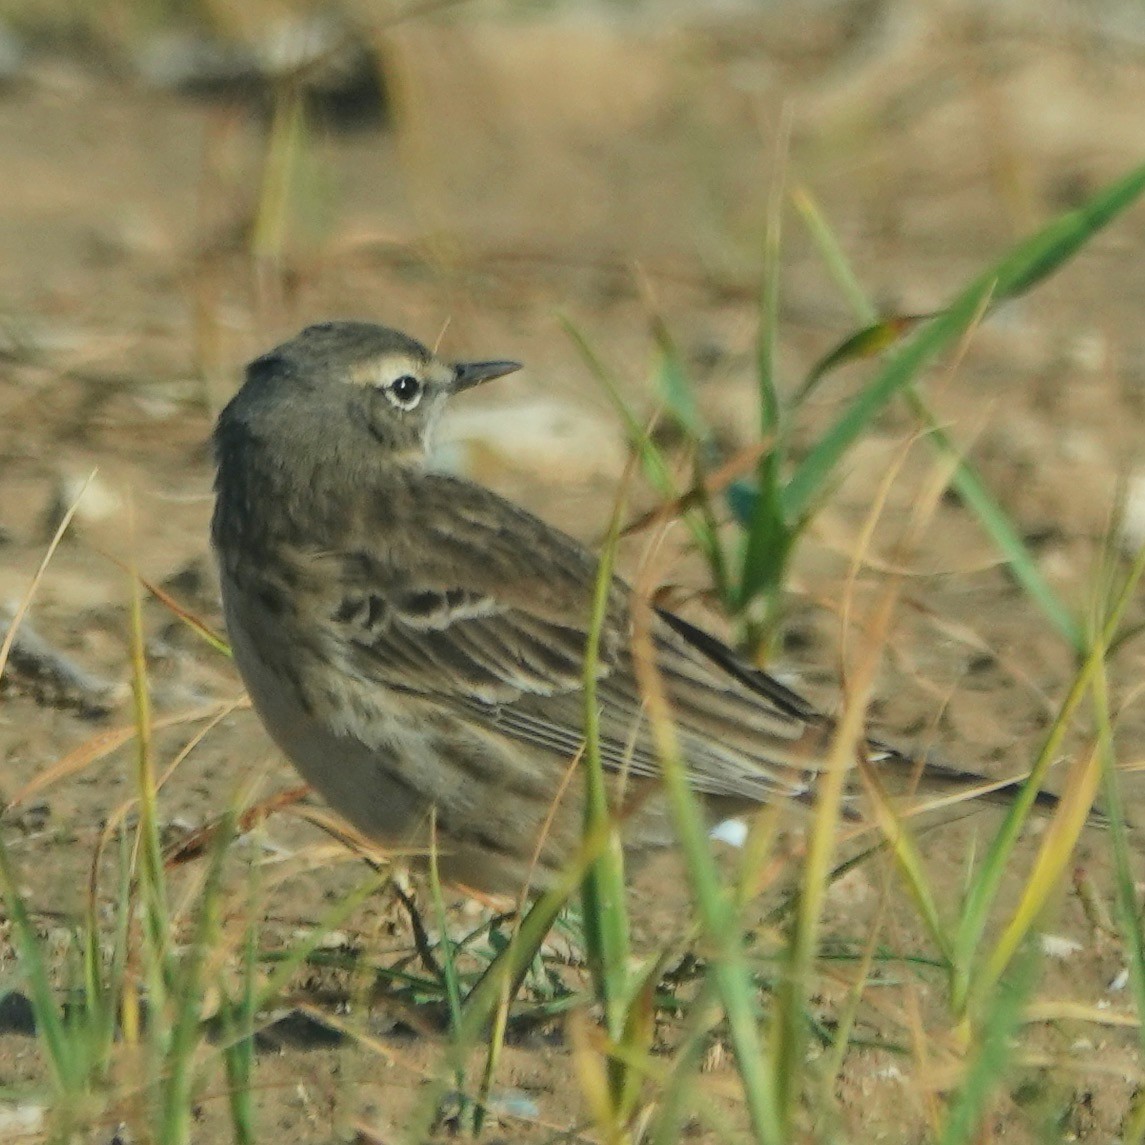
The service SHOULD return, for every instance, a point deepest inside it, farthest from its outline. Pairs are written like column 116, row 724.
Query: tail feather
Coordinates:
column 928, row 776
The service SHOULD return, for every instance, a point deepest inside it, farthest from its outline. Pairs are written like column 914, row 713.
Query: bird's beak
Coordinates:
column 469, row 374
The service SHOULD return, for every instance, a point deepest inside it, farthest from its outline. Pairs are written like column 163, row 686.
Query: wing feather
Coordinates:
column 504, row 639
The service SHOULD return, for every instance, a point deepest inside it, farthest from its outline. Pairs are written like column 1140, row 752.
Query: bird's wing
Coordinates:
column 504, row 639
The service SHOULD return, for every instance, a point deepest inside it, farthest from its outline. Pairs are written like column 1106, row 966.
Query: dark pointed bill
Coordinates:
column 467, row 374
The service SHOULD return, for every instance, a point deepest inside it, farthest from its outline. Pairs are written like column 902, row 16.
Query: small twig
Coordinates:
column 421, row 937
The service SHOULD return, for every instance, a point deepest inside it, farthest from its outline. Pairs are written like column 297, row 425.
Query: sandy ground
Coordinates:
column 592, row 170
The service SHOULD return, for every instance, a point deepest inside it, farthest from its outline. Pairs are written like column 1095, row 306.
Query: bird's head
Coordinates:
column 392, row 387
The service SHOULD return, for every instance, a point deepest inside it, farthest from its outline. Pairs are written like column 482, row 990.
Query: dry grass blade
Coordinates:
column 846, row 746
column 743, row 463
column 103, row 744
column 26, row 600
column 1063, row 1010
column 120, row 813
column 187, row 617
column 590, row 1053
column 890, row 819
column 195, row 845
column 198, row 626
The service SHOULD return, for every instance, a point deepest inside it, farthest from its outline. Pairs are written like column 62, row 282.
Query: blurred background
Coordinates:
column 183, row 183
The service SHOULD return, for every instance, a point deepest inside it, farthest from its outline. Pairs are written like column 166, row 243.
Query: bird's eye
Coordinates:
column 404, row 391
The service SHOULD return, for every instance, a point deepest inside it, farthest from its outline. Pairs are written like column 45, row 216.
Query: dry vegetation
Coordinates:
column 675, row 215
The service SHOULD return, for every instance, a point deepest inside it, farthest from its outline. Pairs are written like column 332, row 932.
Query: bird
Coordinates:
column 415, row 644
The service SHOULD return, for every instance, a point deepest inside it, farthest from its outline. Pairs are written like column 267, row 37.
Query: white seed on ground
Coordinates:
column 1059, row 946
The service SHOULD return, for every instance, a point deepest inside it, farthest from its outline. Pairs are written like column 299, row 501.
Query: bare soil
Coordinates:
column 579, row 168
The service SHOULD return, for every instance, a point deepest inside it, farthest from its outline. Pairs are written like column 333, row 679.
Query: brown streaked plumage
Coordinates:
column 412, row 641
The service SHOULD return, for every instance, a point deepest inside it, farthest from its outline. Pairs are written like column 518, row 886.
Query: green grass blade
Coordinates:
column 769, row 405
column 1128, row 911
column 652, row 460
column 238, row 1032
column 452, row 980
column 654, row 464
column 1039, row 256
column 984, row 888
column 606, row 925
column 152, row 881
column 50, row 1025
column 1016, row 272
column 879, row 336
column 729, row 968
column 832, row 254
column 976, row 497
column 187, row 1032
column 789, row 1024
column 993, row 1054
column 902, row 844
column 675, row 387
column 867, row 343
column 905, row 364
column 767, row 545
column 718, row 917
column 1053, row 857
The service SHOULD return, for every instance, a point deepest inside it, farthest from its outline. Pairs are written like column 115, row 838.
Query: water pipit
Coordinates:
column 415, row 644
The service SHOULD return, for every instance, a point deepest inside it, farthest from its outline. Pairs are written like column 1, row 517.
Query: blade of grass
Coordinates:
column 606, row 925
column 902, row 368
column 41, row 568
column 152, row 885
column 680, row 399
column 706, row 486
column 978, row 499
column 849, row 1012
column 984, row 888
column 966, row 482
column 193, row 622
column 595, row 1073
column 187, row 1031
column 239, row 1029
column 729, row 965
column 502, row 977
column 770, row 530
column 448, row 953
column 829, row 249
column 50, row 1027
column 1017, row 271
column 652, row 460
column 1049, row 866
column 1127, row 907
column 62, row 1052
column 451, row 979
column 908, row 857
column 675, row 387
column 869, row 342
column 789, row 1023
column 679, row 1086
column 993, row 1056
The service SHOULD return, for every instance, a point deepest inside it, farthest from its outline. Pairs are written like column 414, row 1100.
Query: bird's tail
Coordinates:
column 937, row 784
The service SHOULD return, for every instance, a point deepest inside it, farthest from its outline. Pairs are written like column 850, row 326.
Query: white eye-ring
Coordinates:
column 404, row 391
